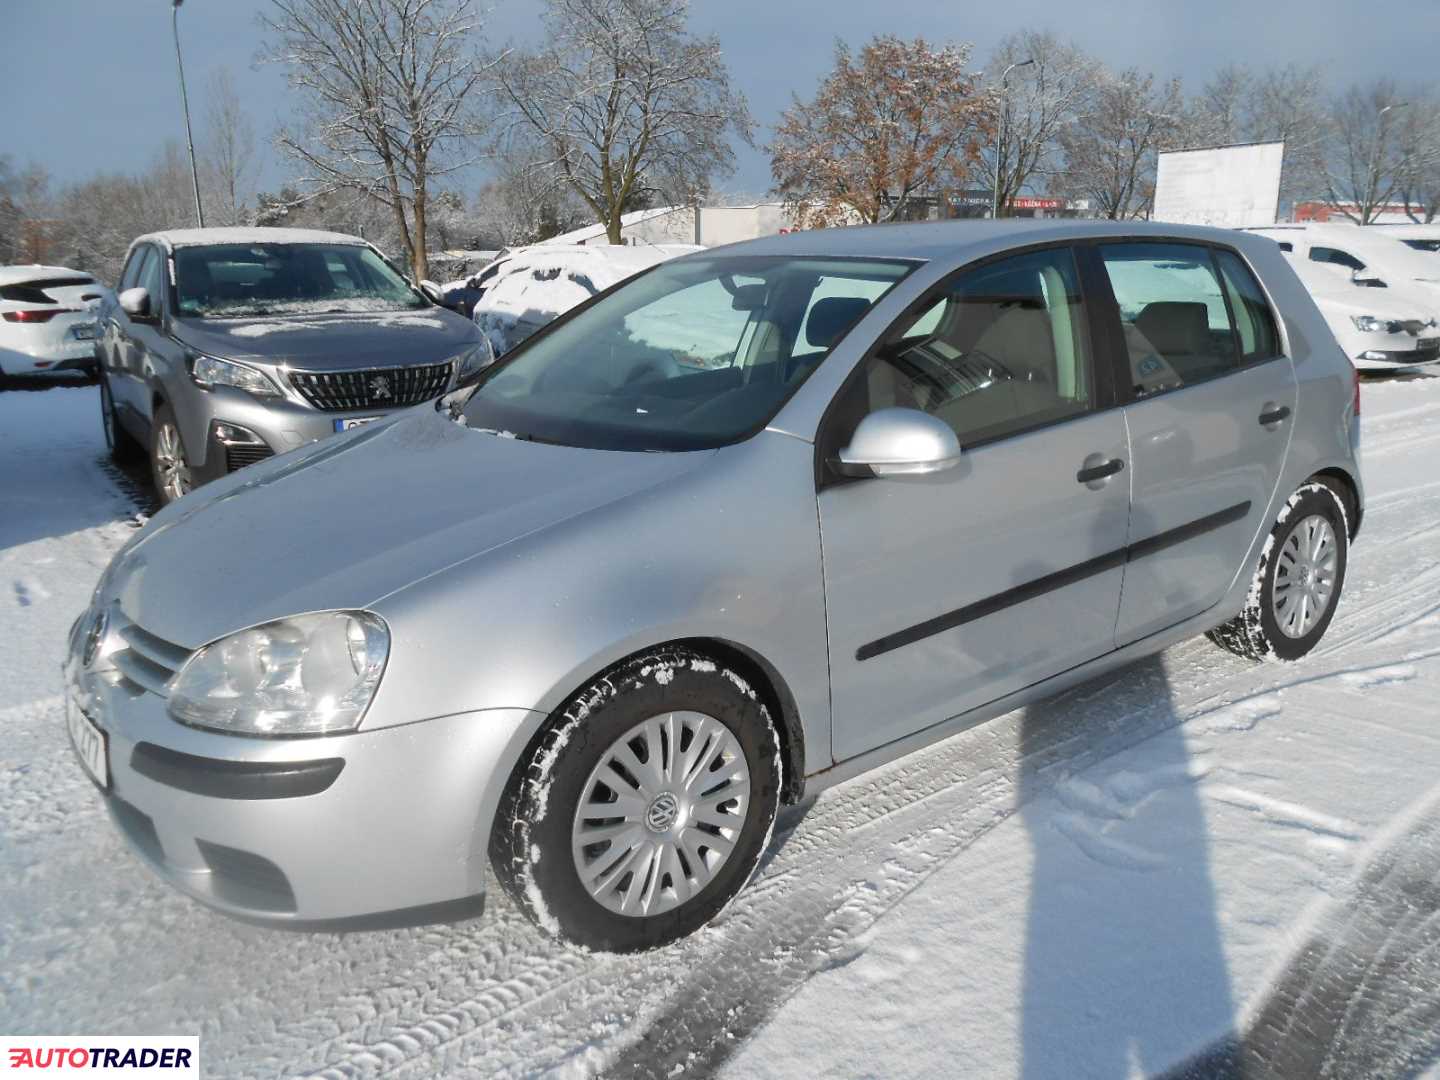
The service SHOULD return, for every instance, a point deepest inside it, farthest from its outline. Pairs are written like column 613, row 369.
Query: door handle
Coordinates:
column 1100, row 472
column 1272, row 416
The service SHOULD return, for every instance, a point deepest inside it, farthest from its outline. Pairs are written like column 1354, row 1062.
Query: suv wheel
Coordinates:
column 121, row 444
column 1298, row 582
column 644, row 808
column 168, row 467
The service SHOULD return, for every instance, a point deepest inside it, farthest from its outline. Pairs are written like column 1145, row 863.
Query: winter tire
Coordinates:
column 644, row 807
column 169, row 468
column 1297, row 584
column 121, row 444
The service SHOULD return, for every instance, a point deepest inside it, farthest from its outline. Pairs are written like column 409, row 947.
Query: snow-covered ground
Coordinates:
column 1105, row 884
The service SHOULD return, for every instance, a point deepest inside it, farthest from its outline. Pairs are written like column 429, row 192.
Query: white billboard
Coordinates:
column 1228, row 186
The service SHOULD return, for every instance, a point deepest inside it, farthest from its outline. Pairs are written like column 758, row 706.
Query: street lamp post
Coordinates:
column 185, row 108
column 1000, row 135
column 1372, row 180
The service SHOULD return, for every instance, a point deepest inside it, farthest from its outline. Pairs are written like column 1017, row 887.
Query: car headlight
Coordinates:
column 476, row 359
column 308, row 675
column 210, row 371
column 1369, row 324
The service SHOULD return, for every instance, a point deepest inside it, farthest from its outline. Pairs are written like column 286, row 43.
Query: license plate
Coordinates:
column 1425, row 344
column 354, row 422
column 83, row 332
column 90, row 744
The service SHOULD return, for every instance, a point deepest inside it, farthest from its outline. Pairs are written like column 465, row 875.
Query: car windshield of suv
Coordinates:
column 232, row 281
column 691, row 355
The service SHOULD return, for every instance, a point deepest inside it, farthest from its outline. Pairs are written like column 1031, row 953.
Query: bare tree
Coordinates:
column 25, row 212
column 1221, row 112
column 1368, row 155
column 1040, row 100
column 1110, row 150
column 901, row 121
column 1419, row 178
column 622, row 100
column 522, row 205
column 388, row 88
column 228, row 149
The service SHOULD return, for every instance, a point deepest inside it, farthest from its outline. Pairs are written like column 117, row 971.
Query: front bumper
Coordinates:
column 1396, row 359
column 301, row 831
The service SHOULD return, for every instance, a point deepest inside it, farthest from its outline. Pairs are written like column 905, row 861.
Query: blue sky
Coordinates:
column 90, row 84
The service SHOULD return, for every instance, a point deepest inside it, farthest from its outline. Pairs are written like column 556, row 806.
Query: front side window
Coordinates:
column 693, row 354
column 1173, row 314
column 130, row 276
column 1336, row 257
column 230, row 281
column 1001, row 348
column 152, row 279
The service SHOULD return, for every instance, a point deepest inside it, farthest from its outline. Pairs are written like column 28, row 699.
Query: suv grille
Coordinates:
column 374, row 388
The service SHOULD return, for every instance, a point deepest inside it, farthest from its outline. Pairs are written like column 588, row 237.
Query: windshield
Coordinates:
column 692, row 355
column 229, row 281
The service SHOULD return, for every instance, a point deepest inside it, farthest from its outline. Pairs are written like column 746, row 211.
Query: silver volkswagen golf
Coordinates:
column 748, row 524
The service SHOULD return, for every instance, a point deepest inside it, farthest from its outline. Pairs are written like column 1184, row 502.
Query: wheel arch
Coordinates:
column 1349, row 491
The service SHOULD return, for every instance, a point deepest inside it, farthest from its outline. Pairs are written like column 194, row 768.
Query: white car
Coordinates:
column 1365, row 255
column 1378, row 332
column 1421, row 237
column 527, row 288
column 47, row 320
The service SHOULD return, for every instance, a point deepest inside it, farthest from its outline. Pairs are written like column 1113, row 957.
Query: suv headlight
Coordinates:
column 210, row 371
column 308, row 675
column 473, row 360
column 1369, row 324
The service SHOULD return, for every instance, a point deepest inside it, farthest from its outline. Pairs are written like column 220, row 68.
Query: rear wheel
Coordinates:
column 644, row 808
column 168, row 466
column 1297, row 585
column 121, row 444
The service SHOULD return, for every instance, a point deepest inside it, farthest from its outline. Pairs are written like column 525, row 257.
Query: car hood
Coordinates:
column 345, row 340
column 357, row 517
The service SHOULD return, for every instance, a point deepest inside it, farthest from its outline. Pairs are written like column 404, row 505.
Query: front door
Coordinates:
column 949, row 590
column 1213, row 400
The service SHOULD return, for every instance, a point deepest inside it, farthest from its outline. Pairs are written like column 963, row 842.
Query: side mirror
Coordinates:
column 432, row 291
column 136, row 303
column 1367, row 281
column 899, row 442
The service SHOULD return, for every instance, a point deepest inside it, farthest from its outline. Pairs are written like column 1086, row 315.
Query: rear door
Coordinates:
column 948, row 590
column 1211, row 400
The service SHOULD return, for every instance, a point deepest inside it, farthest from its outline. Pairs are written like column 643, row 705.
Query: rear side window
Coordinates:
column 1254, row 322
column 1173, row 314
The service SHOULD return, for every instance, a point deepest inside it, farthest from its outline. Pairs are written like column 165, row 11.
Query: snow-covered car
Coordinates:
column 1379, row 332
column 226, row 346
column 592, row 617
column 47, row 319
column 527, row 288
column 1367, row 256
column 1421, row 237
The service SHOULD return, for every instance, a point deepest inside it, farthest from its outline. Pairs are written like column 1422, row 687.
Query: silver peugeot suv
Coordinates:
column 750, row 523
column 226, row 346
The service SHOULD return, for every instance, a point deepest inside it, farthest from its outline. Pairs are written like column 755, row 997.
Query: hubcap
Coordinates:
column 1305, row 576
column 170, row 463
column 661, row 813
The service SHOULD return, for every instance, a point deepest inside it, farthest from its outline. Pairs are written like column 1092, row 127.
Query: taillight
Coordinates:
column 44, row 315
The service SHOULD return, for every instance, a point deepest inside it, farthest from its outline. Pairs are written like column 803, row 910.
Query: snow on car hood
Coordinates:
column 357, row 517
column 334, row 340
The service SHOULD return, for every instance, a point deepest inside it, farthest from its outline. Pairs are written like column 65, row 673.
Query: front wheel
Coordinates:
column 169, row 467
column 1297, row 584
column 644, row 808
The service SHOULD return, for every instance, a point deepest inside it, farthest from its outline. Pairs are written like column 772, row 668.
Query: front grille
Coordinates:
column 375, row 388
column 144, row 662
column 240, row 455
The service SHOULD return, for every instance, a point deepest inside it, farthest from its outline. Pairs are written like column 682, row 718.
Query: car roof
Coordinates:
column 953, row 240
column 18, row 275
column 258, row 234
